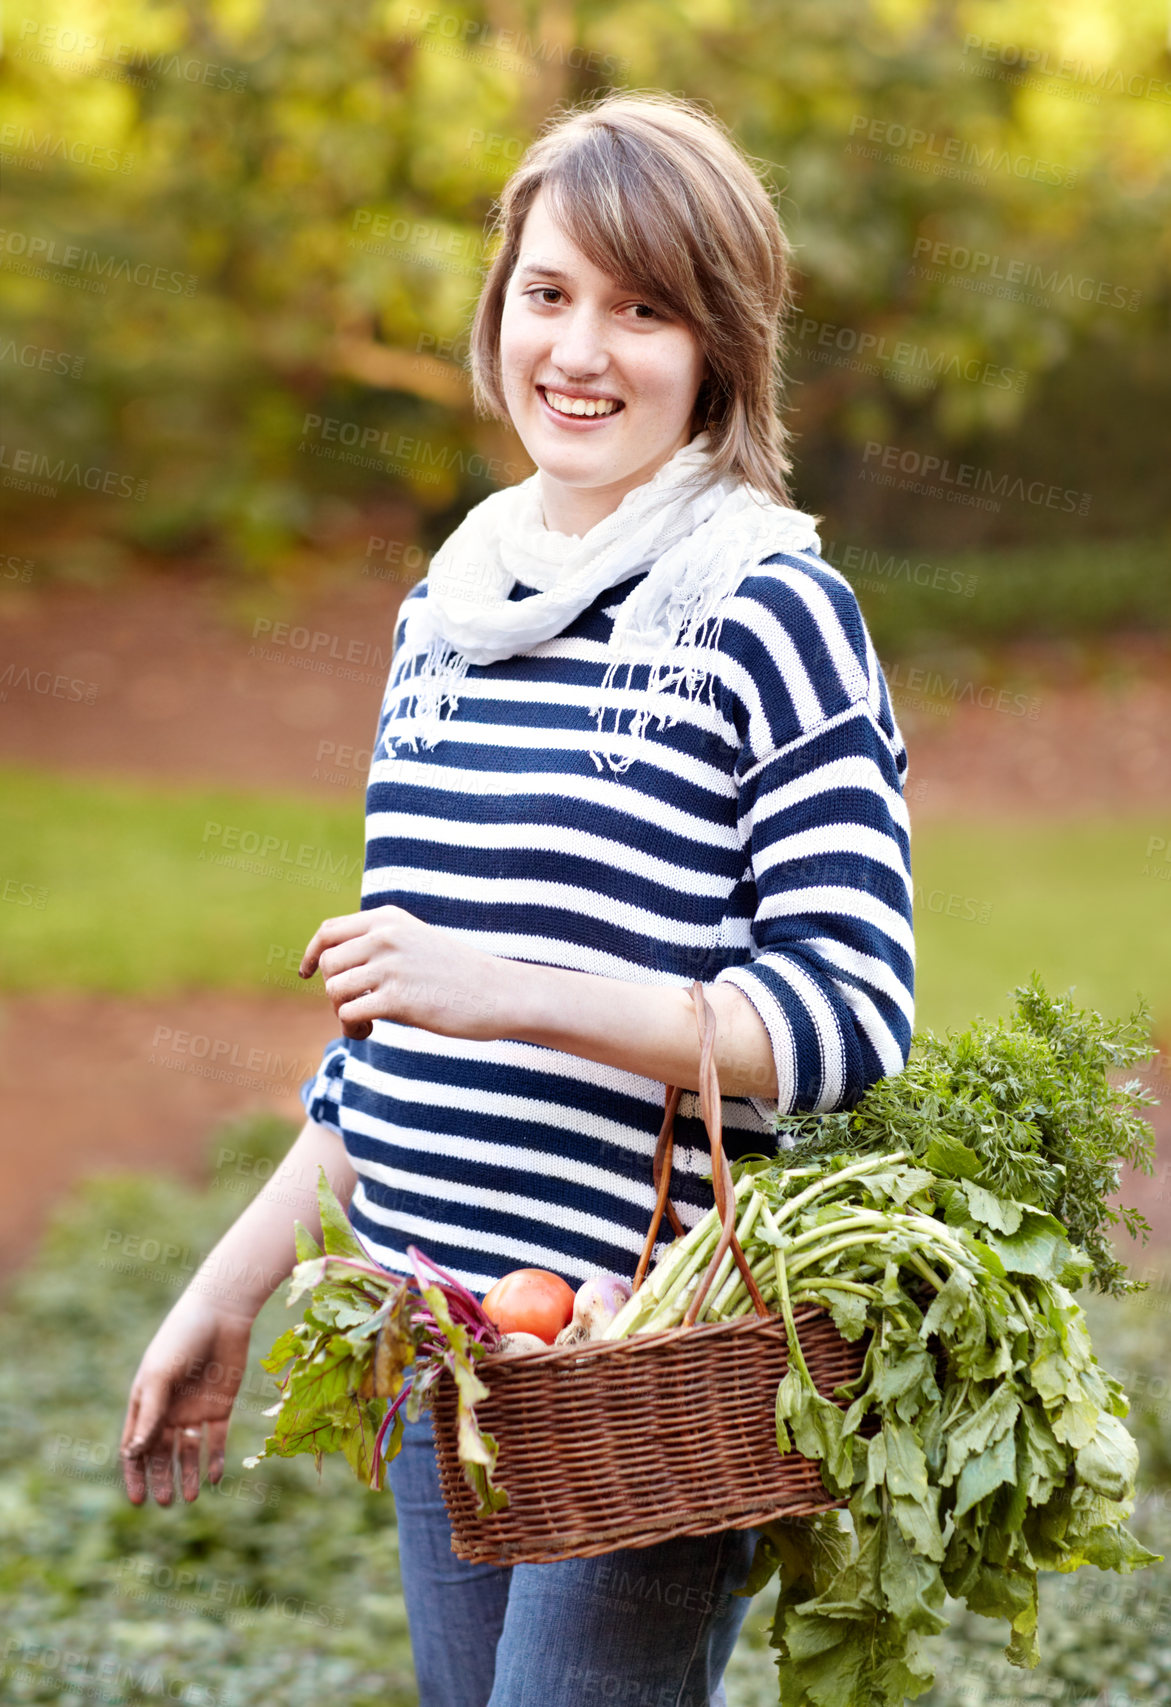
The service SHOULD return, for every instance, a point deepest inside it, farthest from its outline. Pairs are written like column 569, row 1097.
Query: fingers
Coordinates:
column 355, row 951
column 133, row 1478
column 190, row 1442
column 148, row 1465
column 356, row 1016
column 328, row 934
column 217, row 1440
column 143, row 1417
column 160, row 1467
column 130, row 1426
column 350, row 986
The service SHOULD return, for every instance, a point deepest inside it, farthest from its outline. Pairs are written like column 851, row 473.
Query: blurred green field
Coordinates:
column 140, row 890
column 131, row 900
column 1068, row 897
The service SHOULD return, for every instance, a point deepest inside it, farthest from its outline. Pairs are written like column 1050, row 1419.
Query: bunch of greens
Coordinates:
column 368, row 1336
column 960, row 1207
column 980, row 1444
column 1023, row 1108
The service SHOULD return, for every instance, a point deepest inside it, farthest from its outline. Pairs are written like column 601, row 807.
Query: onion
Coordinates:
column 511, row 1344
column 597, row 1302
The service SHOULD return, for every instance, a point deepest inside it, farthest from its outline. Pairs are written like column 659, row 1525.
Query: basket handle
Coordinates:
column 710, row 1108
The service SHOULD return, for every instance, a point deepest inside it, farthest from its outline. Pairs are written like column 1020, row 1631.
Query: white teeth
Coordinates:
column 579, row 405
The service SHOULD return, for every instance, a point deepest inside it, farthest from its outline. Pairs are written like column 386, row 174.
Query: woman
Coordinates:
column 635, row 733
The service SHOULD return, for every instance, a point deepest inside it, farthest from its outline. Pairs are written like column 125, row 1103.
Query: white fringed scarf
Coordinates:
column 694, row 546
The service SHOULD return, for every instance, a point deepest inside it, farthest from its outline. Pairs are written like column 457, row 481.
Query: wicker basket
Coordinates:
column 624, row 1443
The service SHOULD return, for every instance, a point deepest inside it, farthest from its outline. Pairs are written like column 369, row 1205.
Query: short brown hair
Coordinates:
column 655, row 192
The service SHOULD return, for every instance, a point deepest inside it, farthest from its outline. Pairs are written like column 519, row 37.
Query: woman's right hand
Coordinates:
column 185, row 1387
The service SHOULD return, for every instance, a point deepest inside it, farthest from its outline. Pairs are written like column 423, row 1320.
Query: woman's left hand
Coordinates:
column 386, row 964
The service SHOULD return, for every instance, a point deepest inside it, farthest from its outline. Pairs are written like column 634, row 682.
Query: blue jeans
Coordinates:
column 643, row 1627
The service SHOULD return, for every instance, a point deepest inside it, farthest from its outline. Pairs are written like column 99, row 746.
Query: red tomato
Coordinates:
column 530, row 1301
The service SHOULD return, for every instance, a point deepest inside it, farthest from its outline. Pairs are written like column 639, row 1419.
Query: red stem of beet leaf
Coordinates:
column 384, row 1429
column 431, row 1344
column 464, row 1306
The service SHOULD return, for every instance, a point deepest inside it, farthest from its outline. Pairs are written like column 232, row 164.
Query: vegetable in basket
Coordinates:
column 999, row 1449
column 368, row 1336
column 950, row 1217
column 530, row 1301
column 362, row 1330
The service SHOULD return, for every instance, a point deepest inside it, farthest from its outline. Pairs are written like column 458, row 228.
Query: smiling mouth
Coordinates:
column 580, row 408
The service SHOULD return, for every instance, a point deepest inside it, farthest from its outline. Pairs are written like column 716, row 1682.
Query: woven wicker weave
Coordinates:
column 624, row 1443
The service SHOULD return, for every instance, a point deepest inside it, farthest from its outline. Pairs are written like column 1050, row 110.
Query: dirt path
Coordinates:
column 172, row 681
column 136, row 1084
column 177, row 684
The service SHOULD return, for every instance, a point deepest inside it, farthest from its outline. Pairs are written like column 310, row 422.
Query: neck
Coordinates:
column 574, row 510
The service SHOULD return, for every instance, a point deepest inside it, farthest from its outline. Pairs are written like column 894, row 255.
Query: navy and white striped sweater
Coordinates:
column 756, row 835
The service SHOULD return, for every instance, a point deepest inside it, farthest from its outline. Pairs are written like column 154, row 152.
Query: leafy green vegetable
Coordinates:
column 362, row 1330
column 948, row 1217
column 1017, row 1111
column 998, row 1451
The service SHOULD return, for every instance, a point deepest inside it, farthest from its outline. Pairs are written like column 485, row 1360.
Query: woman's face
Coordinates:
column 569, row 330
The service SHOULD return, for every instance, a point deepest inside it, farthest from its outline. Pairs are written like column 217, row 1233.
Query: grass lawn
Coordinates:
column 138, row 890
column 995, row 899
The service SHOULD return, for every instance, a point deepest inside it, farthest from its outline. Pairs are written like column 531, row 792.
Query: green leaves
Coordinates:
column 979, row 1429
column 913, row 1589
column 1000, row 1213
column 477, row 1450
column 848, row 1310
column 362, row 1331
column 982, row 1442
column 1039, row 1246
column 984, row 1473
column 913, row 1500
column 818, row 1428
column 1018, row 1112
column 321, row 1409
column 1108, row 1462
column 337, row 1234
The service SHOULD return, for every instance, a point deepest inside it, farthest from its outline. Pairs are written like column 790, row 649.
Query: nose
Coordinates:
column 579, row 349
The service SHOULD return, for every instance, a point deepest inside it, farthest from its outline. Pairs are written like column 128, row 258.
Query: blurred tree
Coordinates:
column 242, row 243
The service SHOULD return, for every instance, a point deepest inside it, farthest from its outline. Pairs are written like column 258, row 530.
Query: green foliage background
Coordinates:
column 285, row 208
column 284, row 1590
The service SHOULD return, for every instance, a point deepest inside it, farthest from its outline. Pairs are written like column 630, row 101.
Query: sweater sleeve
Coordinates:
column 827, row 839
column 321, row 1094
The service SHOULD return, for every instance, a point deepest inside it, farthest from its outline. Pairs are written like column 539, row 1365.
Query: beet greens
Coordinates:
column 370, row 1345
